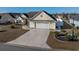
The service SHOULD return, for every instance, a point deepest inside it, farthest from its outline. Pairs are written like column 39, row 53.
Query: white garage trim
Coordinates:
column 42, row 25
column 32, row 24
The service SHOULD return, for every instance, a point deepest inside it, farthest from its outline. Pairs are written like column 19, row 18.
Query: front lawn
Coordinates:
column 56, row 43
column 8, row 34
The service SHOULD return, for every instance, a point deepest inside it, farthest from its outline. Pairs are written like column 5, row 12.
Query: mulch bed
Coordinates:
column 66, row 45
column 10, row 34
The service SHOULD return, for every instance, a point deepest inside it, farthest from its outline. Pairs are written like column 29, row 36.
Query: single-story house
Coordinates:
column 5, row 17
column 41, row 20
column 16, row 18
column 20, row 18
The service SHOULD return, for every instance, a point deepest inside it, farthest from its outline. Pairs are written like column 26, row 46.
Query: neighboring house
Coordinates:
column 74, row 18
column 41, row 20
column 19, row 18
column 63, row 22
column 5, row 17
column 16, row 18
column 76, row 22
column 59, row 22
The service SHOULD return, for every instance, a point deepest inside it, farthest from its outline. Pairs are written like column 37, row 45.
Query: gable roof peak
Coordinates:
column 34, row 14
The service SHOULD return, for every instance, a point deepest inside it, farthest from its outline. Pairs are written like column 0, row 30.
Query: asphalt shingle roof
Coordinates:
column 36, row 13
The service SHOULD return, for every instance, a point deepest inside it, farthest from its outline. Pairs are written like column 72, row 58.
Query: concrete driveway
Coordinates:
column 34, row 38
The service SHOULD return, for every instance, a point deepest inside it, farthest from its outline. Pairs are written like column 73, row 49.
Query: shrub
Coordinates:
column 13, row 26
column 69, row 37
column 72, row 37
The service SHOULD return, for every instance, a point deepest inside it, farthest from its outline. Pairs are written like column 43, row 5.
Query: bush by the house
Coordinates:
column 72, row 37
column 13, row 26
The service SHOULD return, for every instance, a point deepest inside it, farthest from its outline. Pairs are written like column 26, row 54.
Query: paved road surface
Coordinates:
column 34, row 37
column 10, row 47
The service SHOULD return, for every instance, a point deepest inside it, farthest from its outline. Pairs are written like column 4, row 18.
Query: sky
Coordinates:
column 48, row 9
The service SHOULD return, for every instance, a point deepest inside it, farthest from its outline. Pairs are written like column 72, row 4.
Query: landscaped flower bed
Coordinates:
column 67, row 35
column 60, row 44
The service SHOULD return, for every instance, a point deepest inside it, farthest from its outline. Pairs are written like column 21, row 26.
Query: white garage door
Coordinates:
column 42, row 25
